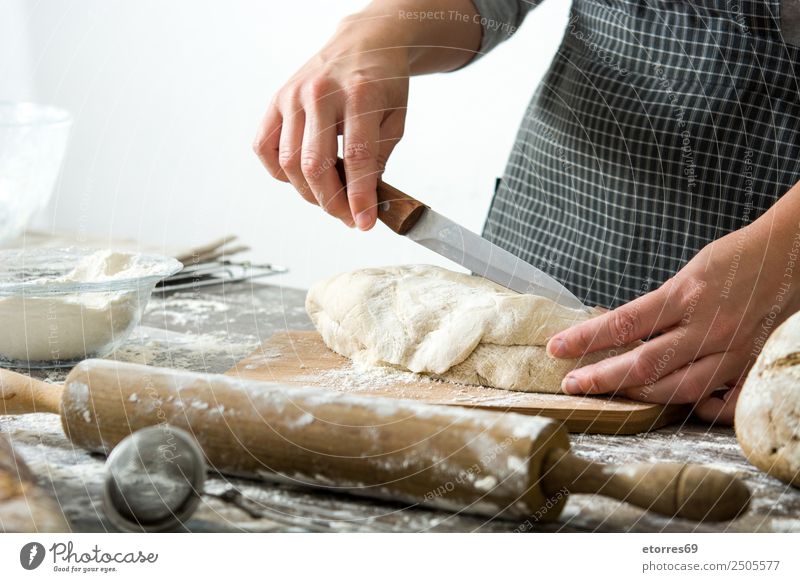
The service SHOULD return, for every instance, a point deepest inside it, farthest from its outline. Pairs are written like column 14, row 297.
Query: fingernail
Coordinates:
column 363, row 220
column 558, row 347
column 570, row 385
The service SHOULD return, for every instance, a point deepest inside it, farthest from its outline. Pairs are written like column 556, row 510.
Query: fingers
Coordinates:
column 361, row 136
column 266, row 143
column 642, row 366
column 290, row 150
column 692, row 383
column 390, row 134
column 297, row 142
column 719, row 409
column 635, row 320
column 318, row 161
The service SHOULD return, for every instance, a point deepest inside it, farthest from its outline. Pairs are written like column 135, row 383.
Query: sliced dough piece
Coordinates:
column 522, row 368
column 449, row 325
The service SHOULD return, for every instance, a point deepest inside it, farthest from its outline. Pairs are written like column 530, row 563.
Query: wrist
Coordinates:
column 776, row 238
column 373, row 32
column 424, row 36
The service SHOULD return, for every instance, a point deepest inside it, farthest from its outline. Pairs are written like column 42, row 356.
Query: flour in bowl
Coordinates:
column 52, row 321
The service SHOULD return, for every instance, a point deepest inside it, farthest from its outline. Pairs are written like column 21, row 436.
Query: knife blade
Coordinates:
column 409, row 217
column 473, row 252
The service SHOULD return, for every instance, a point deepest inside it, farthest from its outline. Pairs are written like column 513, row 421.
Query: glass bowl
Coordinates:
column 50, row 317
column 33, row 139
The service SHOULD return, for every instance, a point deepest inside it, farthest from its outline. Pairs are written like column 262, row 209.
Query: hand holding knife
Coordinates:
column 413, row 219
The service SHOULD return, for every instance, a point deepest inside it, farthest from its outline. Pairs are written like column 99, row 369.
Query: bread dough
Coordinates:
column 449, row 325
column 768, row 409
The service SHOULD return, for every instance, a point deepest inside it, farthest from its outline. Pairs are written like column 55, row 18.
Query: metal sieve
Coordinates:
column 154, row 480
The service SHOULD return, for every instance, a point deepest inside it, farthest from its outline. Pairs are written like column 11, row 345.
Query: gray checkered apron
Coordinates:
column 660, row 127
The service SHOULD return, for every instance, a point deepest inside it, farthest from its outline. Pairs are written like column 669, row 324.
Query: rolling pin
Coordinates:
column 490, row 463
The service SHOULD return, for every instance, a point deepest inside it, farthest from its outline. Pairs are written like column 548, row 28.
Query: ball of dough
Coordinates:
column 768, row 409
column 452, row 326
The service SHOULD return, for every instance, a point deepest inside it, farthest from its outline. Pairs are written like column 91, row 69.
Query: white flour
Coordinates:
column 363, row 378
column 355, row 378
column 73, row 325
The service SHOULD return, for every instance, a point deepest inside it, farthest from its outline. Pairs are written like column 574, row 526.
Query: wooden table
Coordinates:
column 211, row 329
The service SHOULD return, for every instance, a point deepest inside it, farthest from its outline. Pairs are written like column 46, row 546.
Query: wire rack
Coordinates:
column 218, row 272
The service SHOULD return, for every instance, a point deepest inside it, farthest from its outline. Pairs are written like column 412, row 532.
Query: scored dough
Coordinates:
column 449, row 325
column 768, row 410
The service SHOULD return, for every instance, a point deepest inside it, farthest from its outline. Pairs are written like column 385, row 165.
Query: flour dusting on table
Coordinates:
column 362, row 378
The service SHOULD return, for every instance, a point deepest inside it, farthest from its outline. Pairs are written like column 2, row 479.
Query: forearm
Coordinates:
column 775, row 239
column 434, row 35
column 781, row 221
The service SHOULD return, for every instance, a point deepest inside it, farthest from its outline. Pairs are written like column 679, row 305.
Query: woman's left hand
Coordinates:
column 706, row 325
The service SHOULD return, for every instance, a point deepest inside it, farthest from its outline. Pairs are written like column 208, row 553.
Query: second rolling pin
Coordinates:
column 469, row 460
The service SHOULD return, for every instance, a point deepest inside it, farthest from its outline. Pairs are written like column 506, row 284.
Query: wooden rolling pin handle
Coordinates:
column 672, row 489
column 20, row 394
column 396, row 209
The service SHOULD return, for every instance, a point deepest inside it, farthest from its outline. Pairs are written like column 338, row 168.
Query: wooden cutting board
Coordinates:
column 301, row 358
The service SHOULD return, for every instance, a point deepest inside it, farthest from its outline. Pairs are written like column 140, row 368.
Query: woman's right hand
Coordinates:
column 355, row 87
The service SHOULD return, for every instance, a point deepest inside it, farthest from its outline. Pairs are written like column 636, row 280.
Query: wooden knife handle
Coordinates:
column 396, row 209
column 672, row 489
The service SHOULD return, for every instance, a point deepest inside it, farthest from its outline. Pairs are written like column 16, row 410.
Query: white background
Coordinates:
column 167, row 96
column 403, row 558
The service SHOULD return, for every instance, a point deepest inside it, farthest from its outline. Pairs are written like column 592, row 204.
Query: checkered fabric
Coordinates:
column 659, row 127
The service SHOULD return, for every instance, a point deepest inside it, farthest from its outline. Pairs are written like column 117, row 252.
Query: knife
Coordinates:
column 409, row 217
